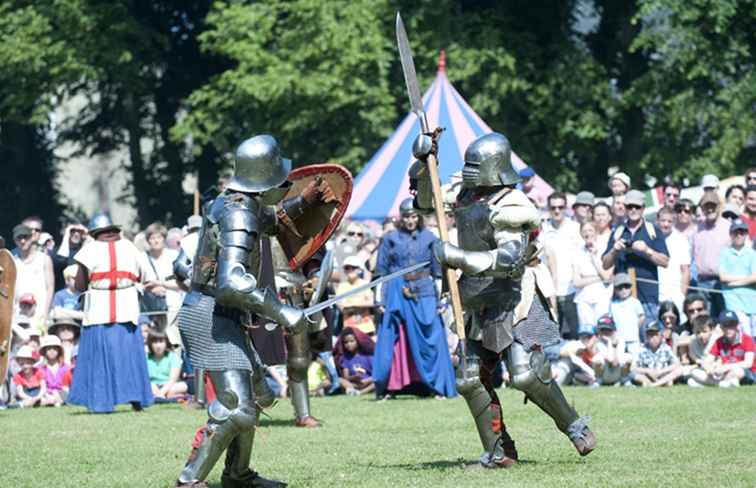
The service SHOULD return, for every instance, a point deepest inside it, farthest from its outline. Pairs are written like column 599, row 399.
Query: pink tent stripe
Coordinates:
column 433, row 112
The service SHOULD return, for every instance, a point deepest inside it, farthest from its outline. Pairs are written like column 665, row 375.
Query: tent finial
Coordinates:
column 442, row 61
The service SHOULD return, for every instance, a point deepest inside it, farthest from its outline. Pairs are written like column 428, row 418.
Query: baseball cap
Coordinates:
column 586, row 330
column 27, row 299
column 622, row 279
column 623, row 177
column 709, row 196
column 738, row 224
column 193, row 222
column 728, row 317
column 655, row 326
column 21, row 230
column 353, row 261
column 635, row 197
column 526, row 172
column 606, row 322
column 709, row 181
column 731, row 210
column 585, row 198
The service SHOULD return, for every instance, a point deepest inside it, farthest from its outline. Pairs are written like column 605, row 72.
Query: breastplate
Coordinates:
column 475, row 232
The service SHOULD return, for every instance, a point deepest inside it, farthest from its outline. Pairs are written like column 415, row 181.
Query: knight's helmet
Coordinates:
column 488, row 163
column 406, row 207
column 101, row 222
column 259, row 165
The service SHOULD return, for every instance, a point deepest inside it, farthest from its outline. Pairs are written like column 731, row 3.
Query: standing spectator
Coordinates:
column 619, row 184
column 561, row 238
column 735, row 195
column 627, row 313
column 528, row 186
column 731, row 359
column 159, row 278
column 710, row 183
column 358, row 308
column 638, row 245
column 619, row 211
column 737, row 272
column 34, row 224
column 164, row 368
column 749, row 211
column 685, row 224
column 655, row 365
column 711, row 238
column 611, row 362
column 173, row 238
column 349, row 245
column 671, row 193
column 411, row 348
column 730, row 211
column 592, row 282
column 34, row 273
column 750, row 176
column 602, row 220
column 54, row 368
column 74, row 236
column 111, row 367
column 674, row 279
column 583, row 206
column 29, row 381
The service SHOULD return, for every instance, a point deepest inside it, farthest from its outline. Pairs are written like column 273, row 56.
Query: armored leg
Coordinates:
column 476, row 387
column 297, row 363
column 200, row 395
column 531, row 373
column 232, row 413
column 263, row 394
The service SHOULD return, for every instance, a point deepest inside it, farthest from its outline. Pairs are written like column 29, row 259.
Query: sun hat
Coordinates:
column 50, row 340
column 25, row 352
column 353, row 261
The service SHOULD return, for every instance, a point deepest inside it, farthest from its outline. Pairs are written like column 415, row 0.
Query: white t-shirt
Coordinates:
column 671, row 276
column 596, row 292
column 114, row 268
column 164, row 267
column 563, row 242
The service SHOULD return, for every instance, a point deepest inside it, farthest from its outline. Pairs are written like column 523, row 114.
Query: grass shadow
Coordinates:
column 268, row 422
column 442, row 465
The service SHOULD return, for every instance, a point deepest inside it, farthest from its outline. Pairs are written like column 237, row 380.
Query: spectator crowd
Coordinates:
column 642, row 298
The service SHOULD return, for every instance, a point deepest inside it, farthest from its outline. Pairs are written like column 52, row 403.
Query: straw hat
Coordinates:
column 65, row 321
column 50, row 341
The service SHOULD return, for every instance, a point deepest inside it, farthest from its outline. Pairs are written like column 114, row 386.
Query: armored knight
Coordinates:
column 224, row 288
column 494, row 222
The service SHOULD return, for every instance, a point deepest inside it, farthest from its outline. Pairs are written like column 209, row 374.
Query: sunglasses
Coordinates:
column 631, row 206
column 352, row 234
column 23, row 238
column 686, row 210
column 693, row 310
column 350, row 268
column 623, row 287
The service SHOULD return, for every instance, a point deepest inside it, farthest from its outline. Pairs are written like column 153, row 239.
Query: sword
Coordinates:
column 416, row 103
column 310, row 311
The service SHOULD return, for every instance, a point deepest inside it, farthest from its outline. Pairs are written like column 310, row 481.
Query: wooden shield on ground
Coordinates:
column 7, row 286
column 316, row 225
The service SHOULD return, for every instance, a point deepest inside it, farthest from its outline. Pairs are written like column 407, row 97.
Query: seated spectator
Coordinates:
column 276, row 378
column 627, row 313
column 67, row 331
column 669, row 316
column 54, row 369
column 66, row 302
column 33, row 343
column 737, row 272
column 164, row 367
column 593, row 284
column 655, row 365
column 576, row 363
column 30, row 381
column 355, row 364
column 317, row 377
column 730, row 361
column 693, row 306
column 68, row 377
column 611, row 363
column 701, row 342
column 357, row 309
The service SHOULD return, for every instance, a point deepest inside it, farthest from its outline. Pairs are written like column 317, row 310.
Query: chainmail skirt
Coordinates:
column 213, row 342
column 537, row 328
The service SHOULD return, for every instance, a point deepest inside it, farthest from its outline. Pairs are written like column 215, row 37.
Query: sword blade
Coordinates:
column 410, row 76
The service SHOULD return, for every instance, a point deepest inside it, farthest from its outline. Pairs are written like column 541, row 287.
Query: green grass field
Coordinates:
column 670, row 437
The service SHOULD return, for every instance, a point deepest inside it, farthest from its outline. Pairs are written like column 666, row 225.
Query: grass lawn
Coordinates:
column 669, row 437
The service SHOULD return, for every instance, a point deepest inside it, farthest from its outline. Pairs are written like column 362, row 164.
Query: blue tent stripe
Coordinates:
column 449, row 151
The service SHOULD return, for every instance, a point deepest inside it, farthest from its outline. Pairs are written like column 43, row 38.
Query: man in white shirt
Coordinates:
column 561, row 238
column 675, row 278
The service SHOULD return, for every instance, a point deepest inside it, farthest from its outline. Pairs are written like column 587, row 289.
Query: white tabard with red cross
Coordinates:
column 114, row 268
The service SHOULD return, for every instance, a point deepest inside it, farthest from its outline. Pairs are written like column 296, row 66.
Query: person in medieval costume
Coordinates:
column 111, row 366
column 411, row 350
column 494, row 222
column 224, row 291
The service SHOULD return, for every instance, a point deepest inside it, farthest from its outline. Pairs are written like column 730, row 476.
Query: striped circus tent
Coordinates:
column 383, row 183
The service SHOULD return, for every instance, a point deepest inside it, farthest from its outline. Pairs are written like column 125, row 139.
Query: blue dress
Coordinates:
column 111, row 368
column 418, row 314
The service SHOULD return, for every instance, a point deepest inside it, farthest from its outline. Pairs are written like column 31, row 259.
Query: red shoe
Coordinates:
column 308, row 421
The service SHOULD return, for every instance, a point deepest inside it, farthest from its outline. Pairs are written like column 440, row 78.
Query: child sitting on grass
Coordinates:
column 655, row 365
column 730, row 361
column 30, row 381
column 612, row 363
column 317, row 377
column 54, row 370
column 577, row 357
column 356, row 364
column 164, row 368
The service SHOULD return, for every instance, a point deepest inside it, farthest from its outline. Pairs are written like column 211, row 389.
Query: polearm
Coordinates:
column 413, row 90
